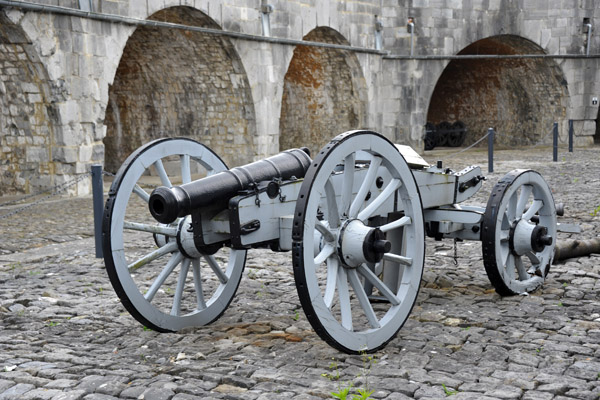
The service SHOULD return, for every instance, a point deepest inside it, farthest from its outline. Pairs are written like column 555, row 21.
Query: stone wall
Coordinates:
column 321, row 96
column 519, row 98
column 447, row 27
column 177, row 83
column 27, row 117
column 95, row 85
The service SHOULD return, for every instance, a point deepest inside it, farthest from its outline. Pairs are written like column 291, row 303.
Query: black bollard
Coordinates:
column 570, row 136
column 98, row 204
column 491, row 150
column 555, row 142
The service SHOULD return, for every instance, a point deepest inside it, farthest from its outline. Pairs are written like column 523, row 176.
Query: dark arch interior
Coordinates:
column 520, row 98
column 321, row 94
column 180, row 83
column 26, row 129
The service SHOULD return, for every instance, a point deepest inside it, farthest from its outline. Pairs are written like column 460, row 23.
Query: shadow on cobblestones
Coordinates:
column 64, row 334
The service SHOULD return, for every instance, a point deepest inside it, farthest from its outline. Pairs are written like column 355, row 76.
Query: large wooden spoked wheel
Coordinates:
column 357, row 195
column 519, row 233
column 161, row 279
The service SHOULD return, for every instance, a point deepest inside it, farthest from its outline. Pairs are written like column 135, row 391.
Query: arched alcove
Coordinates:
column 322, row 94
column 173, row 82
column 521, row 98
column 27, row 116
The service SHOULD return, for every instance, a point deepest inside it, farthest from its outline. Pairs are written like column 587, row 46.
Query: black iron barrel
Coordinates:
column 168, row 204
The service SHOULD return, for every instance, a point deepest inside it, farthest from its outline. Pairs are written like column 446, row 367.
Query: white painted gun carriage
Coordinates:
column 177, row 226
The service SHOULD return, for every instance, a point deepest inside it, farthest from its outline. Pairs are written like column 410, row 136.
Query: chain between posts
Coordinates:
column 540, row 142
column 54, row 192
column 471, row 146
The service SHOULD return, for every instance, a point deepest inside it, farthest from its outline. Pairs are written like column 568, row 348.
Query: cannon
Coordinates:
column 178, row 223
column 444, row 134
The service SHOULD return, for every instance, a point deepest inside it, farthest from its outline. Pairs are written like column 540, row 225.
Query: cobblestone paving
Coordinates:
column 64, row 334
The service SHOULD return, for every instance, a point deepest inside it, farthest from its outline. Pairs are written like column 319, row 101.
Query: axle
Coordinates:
column 168, row 204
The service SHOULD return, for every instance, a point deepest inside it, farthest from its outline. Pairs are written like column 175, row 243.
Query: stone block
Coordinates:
column 67, row 136
column 34, row 98
column 85, row 153
column 138, row 9
column 78, row 43
column 36, row 154
column 64, row 154
column 82, row 167
column 64, row 40
column 109, row 7
column 68, row 111
column 97, row 153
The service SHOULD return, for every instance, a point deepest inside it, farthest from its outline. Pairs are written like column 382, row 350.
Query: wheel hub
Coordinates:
column 358, row 244
column 526, row 237
column 185, row 238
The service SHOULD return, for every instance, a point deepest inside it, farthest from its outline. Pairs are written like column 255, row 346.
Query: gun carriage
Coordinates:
column 354, row 218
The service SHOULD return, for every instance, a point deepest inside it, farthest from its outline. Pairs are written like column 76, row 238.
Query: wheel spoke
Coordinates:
column 185, row 266
column 158, row 229
column 323, row 230
column 511, row 208
column 333, row 215
column 137, row 189
column 198, row 284
column 523, row 275
column 325, row 252
column 162, row 277
column 382, row 287
column 160, row 168
column 212, row 262
column 506, row 253
column 504, row 236
column 344, row 296
column 168, row 248
column 523, row 199
column 535, row 207
column 389, row 190
column 332, row 273
column 186, row 172
column 396, row 224
column 509, row 267
column 348, row 183
column 364, row 187
column 398, row 259
column 533, row 258
column 363, row 300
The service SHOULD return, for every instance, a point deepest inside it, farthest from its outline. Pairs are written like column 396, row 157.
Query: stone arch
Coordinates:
column 172, row 82
column 323, row 93
column 27, row 116
column 520, row 98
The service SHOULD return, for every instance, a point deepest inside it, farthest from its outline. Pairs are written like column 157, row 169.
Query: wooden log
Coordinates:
column 575, row 248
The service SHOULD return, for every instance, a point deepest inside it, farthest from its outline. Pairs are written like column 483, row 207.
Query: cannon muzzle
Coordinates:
column 168, row 204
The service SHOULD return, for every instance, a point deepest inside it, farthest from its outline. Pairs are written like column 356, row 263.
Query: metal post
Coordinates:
column 98, row 202
column 555, row 142
column 265, row 10
column 570, row 136
column 378, row 34
column 589, row 39
column 411, row 27
column 491, row 150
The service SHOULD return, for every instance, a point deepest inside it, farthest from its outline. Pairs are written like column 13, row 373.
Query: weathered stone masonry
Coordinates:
column 177, row 83
column 77, row 91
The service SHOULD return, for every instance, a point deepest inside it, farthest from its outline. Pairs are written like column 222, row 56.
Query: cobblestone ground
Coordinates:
column 65, row 335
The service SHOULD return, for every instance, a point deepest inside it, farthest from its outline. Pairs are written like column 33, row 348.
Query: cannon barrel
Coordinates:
column 168, row 204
